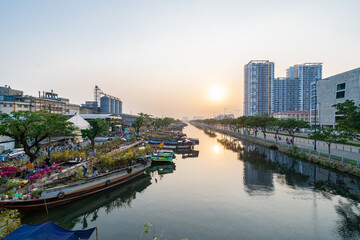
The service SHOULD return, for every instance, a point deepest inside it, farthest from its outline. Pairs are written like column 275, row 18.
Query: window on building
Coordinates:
column 19, row 105
column 340, row 94
column 341, row 86
column 340, row 90
column 10, row 105
column 338, row 118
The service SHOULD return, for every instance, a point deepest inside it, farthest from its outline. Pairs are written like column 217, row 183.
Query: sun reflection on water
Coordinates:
column 217, row 149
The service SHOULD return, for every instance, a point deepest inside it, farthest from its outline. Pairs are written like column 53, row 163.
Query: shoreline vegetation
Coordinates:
column 292, row 151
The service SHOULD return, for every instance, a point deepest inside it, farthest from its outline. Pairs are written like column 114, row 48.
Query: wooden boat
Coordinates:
column 163, row 156
column 156, row 158
column 55, row 196
column 165, row 153
column 177, row 145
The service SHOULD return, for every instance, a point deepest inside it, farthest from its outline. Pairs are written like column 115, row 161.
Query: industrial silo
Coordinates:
column 120, row 107
column 117, row 106
column 112, row 105
column 105, row 104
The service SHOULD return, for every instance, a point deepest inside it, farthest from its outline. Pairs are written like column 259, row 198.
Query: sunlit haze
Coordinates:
column 169, row 58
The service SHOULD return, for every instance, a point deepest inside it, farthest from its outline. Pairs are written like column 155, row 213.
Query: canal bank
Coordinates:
column 344, row 165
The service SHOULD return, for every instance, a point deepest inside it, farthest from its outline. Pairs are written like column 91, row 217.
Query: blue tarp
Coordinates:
column 47, row 231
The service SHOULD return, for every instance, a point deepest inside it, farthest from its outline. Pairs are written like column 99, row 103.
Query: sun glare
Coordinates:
column 217, row 93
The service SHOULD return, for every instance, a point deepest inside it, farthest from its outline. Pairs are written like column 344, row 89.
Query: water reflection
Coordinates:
column 87, row 209
column 217, row 149
column 187, row 153
column 262, row 163
column 161, row 169
column 349, row 223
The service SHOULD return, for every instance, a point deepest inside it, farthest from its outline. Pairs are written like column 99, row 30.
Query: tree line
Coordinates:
column 346, row 128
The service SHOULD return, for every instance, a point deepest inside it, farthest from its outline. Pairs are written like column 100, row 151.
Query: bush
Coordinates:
column 9, row 221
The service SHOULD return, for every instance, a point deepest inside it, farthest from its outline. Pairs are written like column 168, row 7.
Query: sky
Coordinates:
column 169, row 58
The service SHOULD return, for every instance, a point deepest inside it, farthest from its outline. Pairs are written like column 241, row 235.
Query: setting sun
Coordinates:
column 217, row 93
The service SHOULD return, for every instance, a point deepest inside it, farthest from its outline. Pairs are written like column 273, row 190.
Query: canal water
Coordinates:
column 218, row 193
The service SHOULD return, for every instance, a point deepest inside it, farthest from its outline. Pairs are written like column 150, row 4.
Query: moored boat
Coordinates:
column 55, row 196
column 162, row 156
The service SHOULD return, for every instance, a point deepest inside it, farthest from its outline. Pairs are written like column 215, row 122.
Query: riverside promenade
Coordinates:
column 340, row 152
column 347, row 151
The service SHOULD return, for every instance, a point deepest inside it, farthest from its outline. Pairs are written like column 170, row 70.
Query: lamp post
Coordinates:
column 315, row 112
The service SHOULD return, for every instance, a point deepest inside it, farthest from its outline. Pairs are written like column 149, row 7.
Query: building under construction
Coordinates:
column 103, row 103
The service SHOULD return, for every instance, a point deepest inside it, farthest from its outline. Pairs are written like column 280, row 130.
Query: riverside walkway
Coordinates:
column 347, row 151
column 337, row 150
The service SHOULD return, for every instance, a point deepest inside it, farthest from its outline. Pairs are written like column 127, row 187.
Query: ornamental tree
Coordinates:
column 97, row 128
column 253, row 122
column 291, row 125
column 350, row 122
column 138, row 123
column 329, row 136
column 30, row 128
column 265, row 122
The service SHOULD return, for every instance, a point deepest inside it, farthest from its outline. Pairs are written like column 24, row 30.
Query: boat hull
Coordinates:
column 161, row 159
column 62, row 195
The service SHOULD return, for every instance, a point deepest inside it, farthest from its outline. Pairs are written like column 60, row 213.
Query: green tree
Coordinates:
column 291, row 125
column 265, row 122
column 329, row 136
column 350, row 122
column 138, row 123
column 9, row 221
column 253, row 122
column 30, row 128
column 147, row 120
column 97, row 128
column 114, row 124
column 275, row 125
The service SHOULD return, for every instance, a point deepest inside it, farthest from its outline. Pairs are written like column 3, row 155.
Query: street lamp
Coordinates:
column 315, row 113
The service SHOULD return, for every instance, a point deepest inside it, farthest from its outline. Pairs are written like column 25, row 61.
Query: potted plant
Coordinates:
column 10, row 193
column 14, row 183
column 36, row 193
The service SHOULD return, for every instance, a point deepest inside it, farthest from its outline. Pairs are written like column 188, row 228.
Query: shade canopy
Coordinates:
column 47, row 231
column 79, row 122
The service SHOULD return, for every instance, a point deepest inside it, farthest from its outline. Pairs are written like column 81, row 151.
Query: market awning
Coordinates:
column 47, row 231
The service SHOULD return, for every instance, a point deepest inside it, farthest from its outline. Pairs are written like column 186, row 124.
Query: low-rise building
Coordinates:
column 333, row 90
column 225, row 116
column 12, row 100
column 298, row 115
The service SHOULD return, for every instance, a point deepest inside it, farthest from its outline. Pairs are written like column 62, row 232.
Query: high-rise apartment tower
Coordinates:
column 307, row 74
column 258, row 76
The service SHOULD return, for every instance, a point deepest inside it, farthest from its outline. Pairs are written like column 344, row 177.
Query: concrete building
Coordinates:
column 225, row 116
column 258, row 75
column 89, row 107
column 333, row 90
column 12, row 101
column 285, row 94
column 298, row 115
column 307, row 74
column 7, row 91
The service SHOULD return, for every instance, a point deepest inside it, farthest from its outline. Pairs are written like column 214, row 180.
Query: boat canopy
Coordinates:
column 47, row 231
